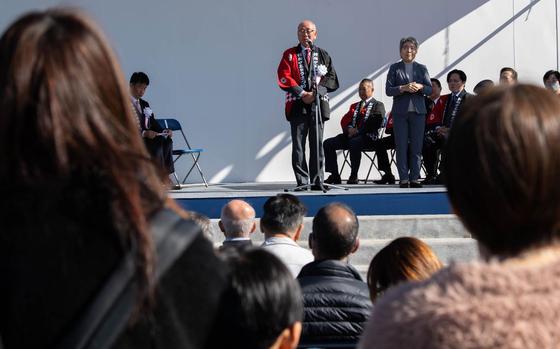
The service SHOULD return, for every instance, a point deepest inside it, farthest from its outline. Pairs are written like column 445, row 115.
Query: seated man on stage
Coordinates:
column 434, row 121
column 456, row 80
column 360, row 129
column 157, row 140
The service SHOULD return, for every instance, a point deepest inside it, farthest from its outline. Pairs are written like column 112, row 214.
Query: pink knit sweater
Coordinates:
column 475, row 305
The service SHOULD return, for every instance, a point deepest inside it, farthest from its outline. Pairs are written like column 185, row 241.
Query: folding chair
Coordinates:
column 195, row 153
column 366, row 152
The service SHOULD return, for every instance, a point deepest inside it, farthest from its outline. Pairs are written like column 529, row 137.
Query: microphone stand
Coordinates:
column 318, row 122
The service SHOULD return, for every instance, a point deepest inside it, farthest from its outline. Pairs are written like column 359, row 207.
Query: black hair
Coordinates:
column 461, row 74
column 436, row 81
column 483, row 85
column 334, row 239
column 513, row 72
column 267, row 298
column 139, row 78
column 549, row 73
column 282, row 213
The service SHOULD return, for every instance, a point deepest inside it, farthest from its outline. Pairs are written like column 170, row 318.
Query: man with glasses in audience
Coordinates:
column 296, row 79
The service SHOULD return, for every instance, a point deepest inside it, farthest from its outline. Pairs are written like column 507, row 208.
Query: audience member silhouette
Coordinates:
column 403, row 259
column 335, row 298
column 79, row 193
column 267, row 309
column 510, row 299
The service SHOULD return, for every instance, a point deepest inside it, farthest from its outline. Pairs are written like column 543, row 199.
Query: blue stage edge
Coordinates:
column 364, row 201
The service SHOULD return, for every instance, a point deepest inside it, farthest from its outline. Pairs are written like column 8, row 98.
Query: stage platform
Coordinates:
column 365, row 199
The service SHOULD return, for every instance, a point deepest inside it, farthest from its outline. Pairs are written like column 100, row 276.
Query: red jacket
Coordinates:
column 290, row 80
column 435, row 117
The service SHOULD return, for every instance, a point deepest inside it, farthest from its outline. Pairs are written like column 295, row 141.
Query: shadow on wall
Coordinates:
column 213, row 64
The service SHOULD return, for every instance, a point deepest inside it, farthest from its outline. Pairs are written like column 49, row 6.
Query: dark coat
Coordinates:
column 54, row 258
column 336, row 302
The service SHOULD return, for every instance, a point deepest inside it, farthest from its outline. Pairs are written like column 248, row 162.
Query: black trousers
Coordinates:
column 301, row 127
column 355, row 146
column 161, row 151
column 432, row 143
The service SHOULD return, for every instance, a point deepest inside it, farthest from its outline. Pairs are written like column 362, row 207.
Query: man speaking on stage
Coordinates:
column 296, row 78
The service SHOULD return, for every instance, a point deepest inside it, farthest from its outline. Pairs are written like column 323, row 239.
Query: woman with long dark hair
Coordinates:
column 77, row 193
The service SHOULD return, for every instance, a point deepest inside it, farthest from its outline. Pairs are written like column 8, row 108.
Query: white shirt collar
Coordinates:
column 237, row 239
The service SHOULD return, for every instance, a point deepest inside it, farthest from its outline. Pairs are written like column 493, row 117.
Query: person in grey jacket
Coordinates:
column 335, row 298
column 408, row 82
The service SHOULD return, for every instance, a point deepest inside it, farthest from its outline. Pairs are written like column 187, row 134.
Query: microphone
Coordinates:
column 310, row 43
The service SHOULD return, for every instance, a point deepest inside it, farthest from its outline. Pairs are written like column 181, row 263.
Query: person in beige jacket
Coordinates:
column 503, row 183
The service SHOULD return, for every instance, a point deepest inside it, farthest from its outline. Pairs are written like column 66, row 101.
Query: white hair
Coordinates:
column 237, row 227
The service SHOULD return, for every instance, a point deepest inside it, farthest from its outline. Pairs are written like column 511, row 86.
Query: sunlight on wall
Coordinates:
column 268, row 147
column 223, row 173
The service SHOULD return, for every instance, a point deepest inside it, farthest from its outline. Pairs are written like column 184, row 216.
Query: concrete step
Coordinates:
column 447, row 249
column 383, row 227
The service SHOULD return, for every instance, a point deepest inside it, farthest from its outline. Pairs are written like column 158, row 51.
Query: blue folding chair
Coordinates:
column 195, row 153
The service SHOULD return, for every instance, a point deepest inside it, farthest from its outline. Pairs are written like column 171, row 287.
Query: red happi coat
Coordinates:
column 289, row 80
column 435, row 117
column 347, row 118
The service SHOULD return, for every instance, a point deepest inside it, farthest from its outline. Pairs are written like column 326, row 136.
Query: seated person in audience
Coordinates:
column 456, row 80
column 267, row 310
column 508, row 76
column 78, row 196
column 403, row 259
column 509, row 299
column 156, row 138
column 282, row 223
column 551, row 80
column 237, row 222
column 335, row 298
column 483, row 86
column 360, row 129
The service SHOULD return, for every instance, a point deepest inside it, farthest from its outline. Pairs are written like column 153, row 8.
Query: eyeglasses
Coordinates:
column 306, row 31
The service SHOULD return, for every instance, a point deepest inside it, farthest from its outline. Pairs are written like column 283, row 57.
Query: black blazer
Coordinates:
column 236, row 244
column 154, row 125
column 448, row 112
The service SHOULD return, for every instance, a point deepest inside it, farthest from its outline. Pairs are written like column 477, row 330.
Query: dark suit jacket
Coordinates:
column 448, row 113
column 154, row 125
column 237, row 244
column 397, row 77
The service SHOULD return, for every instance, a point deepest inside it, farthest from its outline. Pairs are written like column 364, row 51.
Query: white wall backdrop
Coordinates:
column 212, row 63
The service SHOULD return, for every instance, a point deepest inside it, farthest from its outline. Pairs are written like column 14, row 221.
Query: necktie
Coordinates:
column 362, row 106
column 308, row 55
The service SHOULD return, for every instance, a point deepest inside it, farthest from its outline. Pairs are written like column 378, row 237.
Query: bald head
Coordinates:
column 307, row 32
column 335, row 232
column 237, row 219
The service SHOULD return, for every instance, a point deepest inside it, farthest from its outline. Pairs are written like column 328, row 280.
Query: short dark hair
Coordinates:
column 139, row 78
column 513, row 72
column 283, row 213
column 549, row 73
column 266, row 298
column 366, row 80
column 410, row 39
column 483, row 85
column 334, row 239
column 436, row 81
column 461, row 74
column 506, row 131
